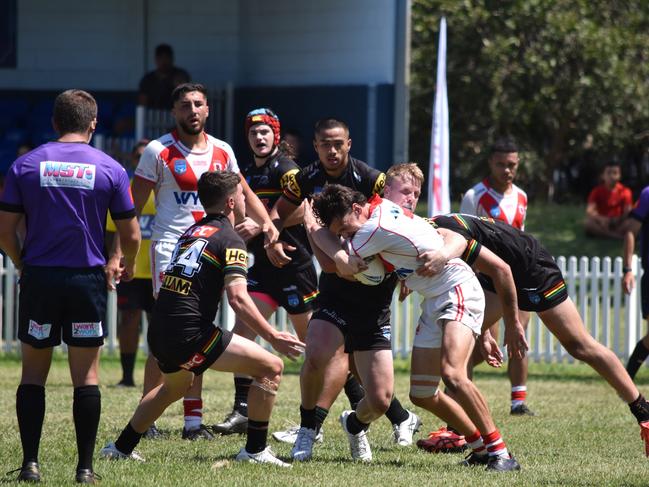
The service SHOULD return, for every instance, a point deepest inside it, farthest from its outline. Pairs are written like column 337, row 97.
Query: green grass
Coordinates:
column 584, row 435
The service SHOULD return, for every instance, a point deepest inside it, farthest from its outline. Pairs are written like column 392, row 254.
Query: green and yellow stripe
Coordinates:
column 311, row 296
column 554, row 290
column 461, row 221
column 470, row 252
column 212, row 342
column 211, row 258
column 265, row 193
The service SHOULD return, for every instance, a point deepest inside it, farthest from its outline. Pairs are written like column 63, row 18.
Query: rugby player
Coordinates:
column 338, row 323
column 294, row 286
column 182, row 337
column 170, row 166
column 451, row 318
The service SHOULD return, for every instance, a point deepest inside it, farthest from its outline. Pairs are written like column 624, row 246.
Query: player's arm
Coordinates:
column 255, row 208
column 433, row 261
column 280, row 212
column 128, row 231
column 245, row 309
column 9, row 242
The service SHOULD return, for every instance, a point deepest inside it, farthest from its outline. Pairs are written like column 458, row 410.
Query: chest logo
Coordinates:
column 180, row 166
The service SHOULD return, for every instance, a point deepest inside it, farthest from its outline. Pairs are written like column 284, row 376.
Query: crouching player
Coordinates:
column 182, row 337
column 450, row 321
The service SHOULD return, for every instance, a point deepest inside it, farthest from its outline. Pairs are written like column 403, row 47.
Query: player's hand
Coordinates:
column 309, row 220
column 287, row 344
column 248, row 228
column 276, row 253
column 113, row 270
column 628, row 282
column 271, row 234
column 490, row 350
column 348, row 265
column 432, row 262
column 515, row 340
column 404, row 292
column 128, row 270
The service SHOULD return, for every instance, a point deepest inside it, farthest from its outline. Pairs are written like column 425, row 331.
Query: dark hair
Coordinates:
column 138, row 144
column 74, row 110
column 505, row 145
column 164, row 50
column 183, row 88
column 215, row 186
column 329, row 123
column 335, row 201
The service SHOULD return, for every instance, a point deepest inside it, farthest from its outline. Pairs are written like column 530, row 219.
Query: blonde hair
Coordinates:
column 405, row 170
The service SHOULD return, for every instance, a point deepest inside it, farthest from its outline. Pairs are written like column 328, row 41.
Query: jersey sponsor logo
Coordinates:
column 87, row 330
column 379, row 184
column 196, row 360
column 236, row 257
column 38, row 331
column 386, row 331
column 333, row 316
column 203, row 231
column 292, row 186
column 186, row 197
column 67, row 175
column 403, row 273
column 286, row 178
column 146, row 226
column 176, row 284
column 180, row 166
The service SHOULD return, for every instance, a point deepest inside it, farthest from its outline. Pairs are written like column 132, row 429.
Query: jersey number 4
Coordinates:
column 190, row 259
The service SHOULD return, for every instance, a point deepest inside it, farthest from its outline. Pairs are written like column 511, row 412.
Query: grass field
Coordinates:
column 584, row 435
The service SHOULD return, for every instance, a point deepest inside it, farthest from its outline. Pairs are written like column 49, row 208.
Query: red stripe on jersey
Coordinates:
column 519, row 218
column 185, row 177
column 220, row 159
column 488, row 202
column 460, row 303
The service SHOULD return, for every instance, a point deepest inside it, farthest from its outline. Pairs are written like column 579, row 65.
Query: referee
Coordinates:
column 64, row 190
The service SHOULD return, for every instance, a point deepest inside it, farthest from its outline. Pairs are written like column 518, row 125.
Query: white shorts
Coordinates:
column 160, row 254
column 464, row 303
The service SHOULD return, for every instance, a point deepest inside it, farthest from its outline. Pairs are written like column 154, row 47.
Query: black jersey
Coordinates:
column 519, row 249
column 364, row 179
column 268, row 183
column 193, row 282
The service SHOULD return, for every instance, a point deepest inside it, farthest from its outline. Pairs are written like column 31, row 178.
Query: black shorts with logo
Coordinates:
column 362, row 328
column 294, row 290
column 62, row 302
column 174, row 352
column 135, row 294
column 540, row 286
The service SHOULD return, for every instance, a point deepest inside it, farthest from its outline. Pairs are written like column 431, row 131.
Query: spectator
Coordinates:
column 64, row 269
column 608, row 204
column 156, row 86
column 294, row 140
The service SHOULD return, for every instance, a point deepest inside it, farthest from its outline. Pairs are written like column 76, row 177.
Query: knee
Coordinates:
column 424, row 390
column 275, row 369
column 580, row 350
column 454, row 378
column 315, row 359
column 379, row 401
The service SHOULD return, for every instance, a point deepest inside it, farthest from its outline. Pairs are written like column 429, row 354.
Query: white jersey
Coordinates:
column 175, row 170
column 483, row 200
column 399, row 237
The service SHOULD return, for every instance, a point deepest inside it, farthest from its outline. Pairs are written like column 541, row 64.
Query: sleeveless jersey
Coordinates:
column 175, row 170
column 268, row 183
column 483, row 200
column 399, row 237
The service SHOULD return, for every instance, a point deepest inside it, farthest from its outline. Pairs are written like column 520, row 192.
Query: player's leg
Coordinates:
column 517, row 372
column 128, row 333
column 565, row 323
column 237, row 420
column 641, row 350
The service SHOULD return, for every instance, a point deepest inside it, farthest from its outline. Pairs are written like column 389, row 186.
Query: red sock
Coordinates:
column 476, row 444
column 519, row 394
column 495, row 444
column 193, row 412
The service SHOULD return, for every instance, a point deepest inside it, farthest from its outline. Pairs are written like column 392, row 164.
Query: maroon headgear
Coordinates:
column 267, row 116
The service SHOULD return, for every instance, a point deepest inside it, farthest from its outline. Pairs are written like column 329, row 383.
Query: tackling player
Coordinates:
column 208, row 257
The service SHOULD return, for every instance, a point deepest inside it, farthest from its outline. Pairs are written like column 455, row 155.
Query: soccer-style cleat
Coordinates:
column 200, row 433
column 443, row 441
column 30, row 472
column 110, row 452
column 502, row 464
column 521, row 410
column 290, row 435
column 87, row 476
column 358, row 443
column 473, row 459
column 152, row 433
column 404, row 431
column 644, row 434
column 125, row 383
column 265, row 456
column 235, row 422
column 303, row 447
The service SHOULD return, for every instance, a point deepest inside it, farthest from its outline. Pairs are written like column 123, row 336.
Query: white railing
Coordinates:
column 594, row 284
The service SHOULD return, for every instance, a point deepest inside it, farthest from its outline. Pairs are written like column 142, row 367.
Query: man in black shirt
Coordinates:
column 209, row 257
column 156, row 86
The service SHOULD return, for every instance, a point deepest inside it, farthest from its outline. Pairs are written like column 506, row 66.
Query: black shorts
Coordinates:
column 644, row 293
column 362, row 329
column 135, row 294
column 62, row 302
column 293, row 290
column 539, row 287
column 196, row 356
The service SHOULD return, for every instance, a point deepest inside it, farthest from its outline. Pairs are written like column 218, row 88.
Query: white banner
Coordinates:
column 439, row 201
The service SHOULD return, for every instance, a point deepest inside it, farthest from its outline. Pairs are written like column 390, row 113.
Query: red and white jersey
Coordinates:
column 483, row 200
column 175, row 170
column 399, row 237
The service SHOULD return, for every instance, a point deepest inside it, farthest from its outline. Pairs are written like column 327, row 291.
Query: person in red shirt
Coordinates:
column 608, row 204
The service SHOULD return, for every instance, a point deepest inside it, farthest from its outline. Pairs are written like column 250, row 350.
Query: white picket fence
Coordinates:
column 594, row 284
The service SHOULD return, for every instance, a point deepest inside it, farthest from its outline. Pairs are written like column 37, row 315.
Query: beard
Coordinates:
column 188, row 129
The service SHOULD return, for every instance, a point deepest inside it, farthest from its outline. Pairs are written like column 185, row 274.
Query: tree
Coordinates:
column 568, row 78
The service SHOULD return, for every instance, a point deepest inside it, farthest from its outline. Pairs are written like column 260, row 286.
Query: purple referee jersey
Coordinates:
column 65, row 190
column 641, row 213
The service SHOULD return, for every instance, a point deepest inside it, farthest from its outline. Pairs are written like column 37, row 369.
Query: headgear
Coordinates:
column 266, row 116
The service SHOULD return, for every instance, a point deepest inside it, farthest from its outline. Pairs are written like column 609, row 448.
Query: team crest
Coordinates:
column 293, row 300
column 180, row 166
column 534, row 298
column 495, row 211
